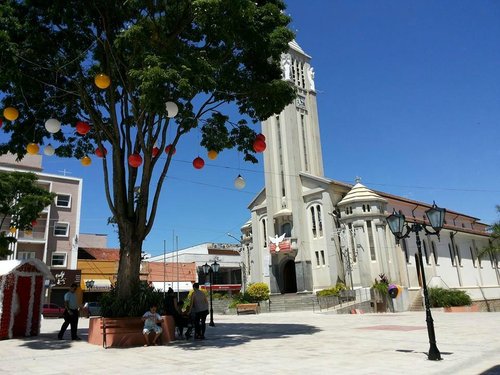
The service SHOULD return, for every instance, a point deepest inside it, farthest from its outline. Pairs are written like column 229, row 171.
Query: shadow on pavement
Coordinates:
column 495, row 370
column 50, row 341
column 225, row 335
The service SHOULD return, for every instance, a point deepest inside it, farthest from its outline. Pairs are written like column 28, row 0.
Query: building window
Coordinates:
column 264, row 231
column 323, row 256
column 353, row 248
column 63, row 200
column 320, row 222
column 368, row 207
column 473, row 255
column 426, row 253
column 404, row 246
column 287, row 229
column 452, row 256
column 313, row 222
column 58, row 260
column 364, row 208
column 457, row 249
column 26, row 255
column 434, row 252
column 61, row 229
column 317, row 258
column 371, row 242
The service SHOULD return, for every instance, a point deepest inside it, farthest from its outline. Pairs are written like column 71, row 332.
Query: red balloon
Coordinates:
column 82, row 127
column 135, row 160
column 198, row 163
column 167, row 150
column 155, row 151
column 33, row 223
column 259, row 145
column 1, row 122
column 261, row 137
column 101, row 152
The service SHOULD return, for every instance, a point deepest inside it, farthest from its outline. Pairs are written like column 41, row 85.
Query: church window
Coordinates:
column 320, row 222
column 350, row 210
column 287, row 229
column 459, row 256
column 323, row 257
column 472, row 256
column 264, row 231
column 426, row 253
column 404, row 246
column 371, row 242
column 368, row 207
column 304, row 142
column 347, row 210
column 452, row 256
column 364, row 208
column 313, row 222
column 317, row 258
column 434, row 252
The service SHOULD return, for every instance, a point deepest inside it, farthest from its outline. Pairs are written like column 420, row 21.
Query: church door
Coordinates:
column 289, row 278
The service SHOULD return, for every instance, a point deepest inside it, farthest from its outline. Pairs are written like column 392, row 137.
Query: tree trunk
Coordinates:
column 130, row 260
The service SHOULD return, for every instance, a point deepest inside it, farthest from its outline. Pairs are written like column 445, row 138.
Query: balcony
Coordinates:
column 31, row 236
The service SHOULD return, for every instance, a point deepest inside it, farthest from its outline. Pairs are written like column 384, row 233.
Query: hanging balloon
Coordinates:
column 49, row 150
column 1, row 122
column 259, row 145
column 33, row 223
column 86, row 161
column 239, row 182
column 135, row 160
column 155, row 151
column 32, row 148
column 167, row 150
column 52, row 125
column 261, row 136
column 82, row 127
column 212, row 155
column 12, row 230
column 102, row 81
column 198, row 163
column 28, row 232
column 101, row 152
column 172, row 109
column 10, row 113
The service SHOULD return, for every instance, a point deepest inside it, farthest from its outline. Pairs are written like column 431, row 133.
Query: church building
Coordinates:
column 307, row 232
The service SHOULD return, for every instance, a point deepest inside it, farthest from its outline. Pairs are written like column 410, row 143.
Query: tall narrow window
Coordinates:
column 405, row 250
column 320, row 222
column 426, row 253
column 264, row 231
column 353, row 248
column 457, row 249
column 304, row 142
column 323, row 257
column 472, row 256
column 452, row 256
column 434, row 252
column 317, row 258
column 313, row 222
column 371, row 242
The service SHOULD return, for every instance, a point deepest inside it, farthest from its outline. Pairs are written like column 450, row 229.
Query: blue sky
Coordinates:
column 408, row 98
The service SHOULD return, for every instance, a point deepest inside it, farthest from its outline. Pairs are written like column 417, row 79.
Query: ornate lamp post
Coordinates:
column 210, row 270
column 402, row 229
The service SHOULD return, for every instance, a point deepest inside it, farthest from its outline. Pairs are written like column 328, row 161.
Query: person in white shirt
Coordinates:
column 71, row 313
column 151, row 319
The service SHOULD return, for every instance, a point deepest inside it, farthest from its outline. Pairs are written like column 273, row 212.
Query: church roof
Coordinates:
column 295, row 46
column 360, row 193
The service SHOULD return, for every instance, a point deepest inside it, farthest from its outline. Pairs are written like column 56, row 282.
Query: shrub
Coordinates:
column 258, row 292
column 382, row 284
column 333, row 291
column 143, row 296
column 239, row 298
column 439, row 297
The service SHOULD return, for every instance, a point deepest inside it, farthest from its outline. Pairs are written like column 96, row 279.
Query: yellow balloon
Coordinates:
column 10, row 113
column 212, row 155
column 102, row 81
column 86, row 161
column 12, row 230
column 28, row 232
column 32, row 148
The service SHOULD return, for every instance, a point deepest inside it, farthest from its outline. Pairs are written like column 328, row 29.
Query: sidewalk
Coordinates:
column 278, row 343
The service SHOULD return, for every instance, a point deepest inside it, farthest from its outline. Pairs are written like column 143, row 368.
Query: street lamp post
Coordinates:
column 398, row 225
column 210, row 270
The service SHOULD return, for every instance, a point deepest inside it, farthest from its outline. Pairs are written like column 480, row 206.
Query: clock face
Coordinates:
column 301, row 101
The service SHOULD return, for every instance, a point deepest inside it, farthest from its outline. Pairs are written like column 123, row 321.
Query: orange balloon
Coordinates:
column 10, row 113
column 32, row 148
column 212, row 155
column 102, row 81
column 86, row 161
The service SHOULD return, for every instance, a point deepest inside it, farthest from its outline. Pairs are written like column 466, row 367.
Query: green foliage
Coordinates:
column 493, row 248
column 140, row 301
column 257, row 292
column 439, row 297
column 219, row 61
column 240, row 298
column 333, row 291
column 21, row 201
column 382, row 284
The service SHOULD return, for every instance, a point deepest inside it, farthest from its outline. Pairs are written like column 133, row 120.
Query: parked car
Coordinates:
column 92, row 308
column 51, row 310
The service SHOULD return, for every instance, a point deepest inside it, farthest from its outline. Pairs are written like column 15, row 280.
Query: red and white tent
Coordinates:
column 21, row 294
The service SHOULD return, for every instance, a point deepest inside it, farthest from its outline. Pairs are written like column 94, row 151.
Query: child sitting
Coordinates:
column 151, row 319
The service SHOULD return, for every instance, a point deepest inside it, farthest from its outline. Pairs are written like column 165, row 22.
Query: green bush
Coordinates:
column 143, row 296
column 258, row 292
column 333, row 291
column 382, row 284
column 439, row 297
column 239, row 298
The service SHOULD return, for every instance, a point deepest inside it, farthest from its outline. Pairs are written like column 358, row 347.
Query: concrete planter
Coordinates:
column 126, row 332
column 471, row 308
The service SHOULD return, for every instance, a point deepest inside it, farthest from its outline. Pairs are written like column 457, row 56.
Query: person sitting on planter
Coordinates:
column 151, row 319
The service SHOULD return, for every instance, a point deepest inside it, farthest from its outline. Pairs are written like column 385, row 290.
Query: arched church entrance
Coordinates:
column 289, row 277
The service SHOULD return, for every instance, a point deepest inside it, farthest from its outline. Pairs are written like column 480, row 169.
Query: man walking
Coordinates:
column 199, row 309
column 70, row 313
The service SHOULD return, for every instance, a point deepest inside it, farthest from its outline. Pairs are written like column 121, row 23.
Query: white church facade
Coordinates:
column 307, row 232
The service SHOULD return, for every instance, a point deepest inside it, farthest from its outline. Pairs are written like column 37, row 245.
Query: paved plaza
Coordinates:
column 279, row 343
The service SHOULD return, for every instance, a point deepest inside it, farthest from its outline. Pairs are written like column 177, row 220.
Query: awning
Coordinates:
column 181, row 286
column 97, row 285
column 222, row 287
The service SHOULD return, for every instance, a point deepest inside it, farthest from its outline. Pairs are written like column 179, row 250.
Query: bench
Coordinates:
column 247, row 308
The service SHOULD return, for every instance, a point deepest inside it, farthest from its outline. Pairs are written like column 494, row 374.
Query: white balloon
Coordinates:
column 172, row 109
column 239, row 182
column 49, row 150
column 52, row 125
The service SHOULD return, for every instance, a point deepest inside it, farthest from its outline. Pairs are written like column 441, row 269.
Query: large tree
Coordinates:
column 21, row 201
column 199, row 54
column 493, row 248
